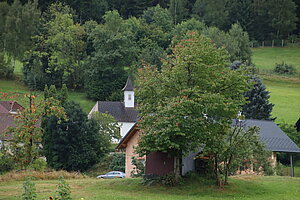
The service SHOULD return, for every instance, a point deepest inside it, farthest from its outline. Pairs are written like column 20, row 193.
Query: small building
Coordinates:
column 161, row 163
column 128, row 144
column 124, row 112
column 8, row 110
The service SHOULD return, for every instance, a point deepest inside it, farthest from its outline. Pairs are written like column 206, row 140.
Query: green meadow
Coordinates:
column 285, row 90
column 17, row 87
column 240, row 187
column 265, row 58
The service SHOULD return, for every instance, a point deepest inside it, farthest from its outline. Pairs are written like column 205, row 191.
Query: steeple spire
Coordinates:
column 129, row 85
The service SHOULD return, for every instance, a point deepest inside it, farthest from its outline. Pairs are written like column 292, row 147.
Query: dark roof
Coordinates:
column 129, row 85
column 7, row 107
column 274, row 138
column 6, row 120
column 118, row 111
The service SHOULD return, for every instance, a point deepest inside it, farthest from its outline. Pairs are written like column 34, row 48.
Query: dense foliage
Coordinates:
column 75, row 143
column 191, row 101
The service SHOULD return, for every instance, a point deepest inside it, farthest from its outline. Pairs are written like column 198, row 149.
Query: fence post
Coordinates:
column 272, row 43
column 263, row 43
column 282, row 42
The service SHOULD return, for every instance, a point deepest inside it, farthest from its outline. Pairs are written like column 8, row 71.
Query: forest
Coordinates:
column 92, row 46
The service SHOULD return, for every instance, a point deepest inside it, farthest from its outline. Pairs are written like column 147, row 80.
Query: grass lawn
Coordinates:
column 265, row 58
column 285, row 94
column 242, row 187
column 18, row 87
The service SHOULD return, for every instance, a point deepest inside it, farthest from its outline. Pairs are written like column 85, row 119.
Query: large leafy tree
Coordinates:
column 191, row 101
column 18, row 24
column 59, row 50
column 114, row 51
column 75, row 143
column 258, row 106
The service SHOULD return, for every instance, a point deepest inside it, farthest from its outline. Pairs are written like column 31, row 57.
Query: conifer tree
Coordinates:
column 258, row 106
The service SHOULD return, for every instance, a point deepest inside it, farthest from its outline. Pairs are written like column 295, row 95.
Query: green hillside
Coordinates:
column 13, row 86
column 285, row 91
column 266, row 58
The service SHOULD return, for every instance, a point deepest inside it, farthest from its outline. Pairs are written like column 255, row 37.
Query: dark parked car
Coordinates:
column 112, row 174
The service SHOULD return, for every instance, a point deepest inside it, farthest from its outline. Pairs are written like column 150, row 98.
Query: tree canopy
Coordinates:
column 191, row 101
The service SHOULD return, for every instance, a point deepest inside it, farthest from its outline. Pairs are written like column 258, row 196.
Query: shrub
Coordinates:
column 6, row 161
column 284, row 68
column 39, row 165
column 118, row 162
column 139, row 167
column 166, row 180
column 63, row 191
column 5, row 70
column 29, row 190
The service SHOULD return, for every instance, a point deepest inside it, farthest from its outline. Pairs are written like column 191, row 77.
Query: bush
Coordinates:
column 166, row 180
column 139, row 167
column 6, row 161
column 5, row 70
column 39, row 165
column 118, row 162
column 284, row 68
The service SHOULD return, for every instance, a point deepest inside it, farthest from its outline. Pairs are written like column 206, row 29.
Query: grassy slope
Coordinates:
column 17, row 86
column 266, row 58
column 245, row 187
column 285, row 91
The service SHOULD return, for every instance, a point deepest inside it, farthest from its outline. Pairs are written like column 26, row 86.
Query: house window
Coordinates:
column 129, row 97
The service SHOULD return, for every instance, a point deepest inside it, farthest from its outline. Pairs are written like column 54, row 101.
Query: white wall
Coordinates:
column 125, row 127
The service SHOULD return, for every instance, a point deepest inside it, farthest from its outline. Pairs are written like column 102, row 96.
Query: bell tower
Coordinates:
column 128, row 94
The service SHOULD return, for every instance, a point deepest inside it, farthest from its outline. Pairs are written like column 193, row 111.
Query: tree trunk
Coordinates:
column 177, row 168
column 216, row 171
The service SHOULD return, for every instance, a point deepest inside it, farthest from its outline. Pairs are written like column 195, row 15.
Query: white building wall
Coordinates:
column 125, row 127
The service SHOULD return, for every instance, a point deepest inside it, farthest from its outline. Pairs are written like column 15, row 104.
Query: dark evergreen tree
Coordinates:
column 75, row 143
column 259, row 106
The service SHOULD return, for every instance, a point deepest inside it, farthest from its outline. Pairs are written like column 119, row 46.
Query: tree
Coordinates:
column 258, row 106
column 21, row 24
column 178, row 10
column 74, row 144
column 108, row 126
column 212, row 12
column 242, row 144
column 283, row 15
column 27, row 135
column 58, row 53
column 190, row 102
column 114, row 51
column 66, row 46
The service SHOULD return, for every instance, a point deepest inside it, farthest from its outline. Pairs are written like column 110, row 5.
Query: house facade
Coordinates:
column 124, row 112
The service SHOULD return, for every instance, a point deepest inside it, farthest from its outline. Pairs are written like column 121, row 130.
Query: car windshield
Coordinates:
column 110, row 173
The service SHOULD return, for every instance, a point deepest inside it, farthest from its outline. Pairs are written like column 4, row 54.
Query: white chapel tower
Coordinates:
column 128, row 94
